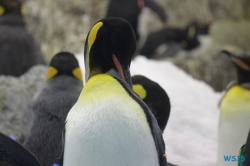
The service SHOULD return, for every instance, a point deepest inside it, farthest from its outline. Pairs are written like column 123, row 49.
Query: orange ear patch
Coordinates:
column 78, row 73
column 51, row 72
column 1, row 10
column 241, row 64
column 22, row 10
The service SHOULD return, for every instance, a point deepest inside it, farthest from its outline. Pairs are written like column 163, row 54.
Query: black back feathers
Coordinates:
column 13, row 153
column 18, row 49
column 156, row 98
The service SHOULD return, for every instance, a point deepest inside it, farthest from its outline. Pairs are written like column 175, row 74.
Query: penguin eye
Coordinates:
column 22, row 10
column 1, row 10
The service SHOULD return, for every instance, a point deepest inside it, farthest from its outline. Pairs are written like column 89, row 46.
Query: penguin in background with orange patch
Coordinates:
column 234, row 107
column 51, row 106
column 19, row 50
column 154, row 96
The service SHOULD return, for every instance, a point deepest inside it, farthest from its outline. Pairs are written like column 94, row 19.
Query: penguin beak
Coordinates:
column 141, row 3
column 118, row 66
column 240, row 63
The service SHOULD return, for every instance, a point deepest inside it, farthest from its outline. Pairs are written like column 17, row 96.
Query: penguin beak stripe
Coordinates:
column 118, row 66
column 241, row 64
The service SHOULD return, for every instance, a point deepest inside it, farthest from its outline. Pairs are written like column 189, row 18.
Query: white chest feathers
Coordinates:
column 108, row 128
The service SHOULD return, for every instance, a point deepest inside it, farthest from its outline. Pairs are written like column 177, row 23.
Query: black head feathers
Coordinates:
column 110, row 44
column 64, row 63
column 242, row 64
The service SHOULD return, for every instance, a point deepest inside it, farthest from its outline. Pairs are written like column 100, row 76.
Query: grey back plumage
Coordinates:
column 50, row 110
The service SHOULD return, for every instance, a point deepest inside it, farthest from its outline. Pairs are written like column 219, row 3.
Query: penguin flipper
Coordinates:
column 155, row 129
column 246, row 153
column 60, row 159
column 157, row 9
column 11, row 152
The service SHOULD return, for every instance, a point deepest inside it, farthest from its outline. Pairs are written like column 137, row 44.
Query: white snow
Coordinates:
column 191, row 132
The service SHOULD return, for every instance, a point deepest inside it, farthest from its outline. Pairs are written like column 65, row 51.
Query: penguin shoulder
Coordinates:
column 236, row 93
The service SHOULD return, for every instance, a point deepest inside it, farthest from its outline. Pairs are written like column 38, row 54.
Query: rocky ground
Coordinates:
column 16, row 97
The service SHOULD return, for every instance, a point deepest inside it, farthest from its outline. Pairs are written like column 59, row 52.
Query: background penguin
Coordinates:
column 110, row 124
column 51, row 106
column 131, row 9
column 14, row 154
column 234, row 106
column 154, row 96
column 202, row 28
column 18, row 49
column 186, row 38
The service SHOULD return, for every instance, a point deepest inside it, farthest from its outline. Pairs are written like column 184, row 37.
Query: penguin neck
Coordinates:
column 116, row 75
column 12, row 20
column 243, row 77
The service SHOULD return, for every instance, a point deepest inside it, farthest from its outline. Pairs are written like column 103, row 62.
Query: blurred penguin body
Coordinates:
column 109, row 124
column 234, row 119
column 154, row 96
column 131, row 9
column 51, row 107
column 14, row 154
column 186, row 39
column 19, row 51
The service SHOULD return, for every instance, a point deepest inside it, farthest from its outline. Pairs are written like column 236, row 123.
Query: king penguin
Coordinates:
column 51, row 106
column 154, row 96
column 110, row 125
column 234, row 121
column 18, row 49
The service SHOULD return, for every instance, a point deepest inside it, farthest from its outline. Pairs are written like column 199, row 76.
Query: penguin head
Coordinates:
column 154, row 96
column 8, row 7
column 242, row 64
column 64, row 63
column 109, row 48
column 202, row 28
column 189, row 39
